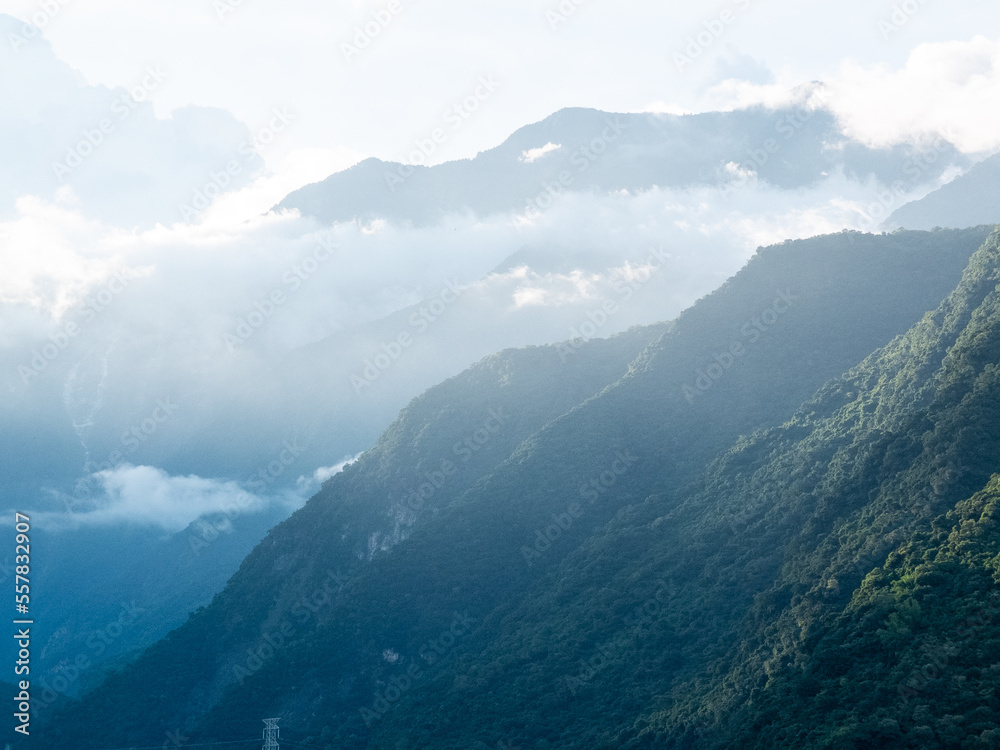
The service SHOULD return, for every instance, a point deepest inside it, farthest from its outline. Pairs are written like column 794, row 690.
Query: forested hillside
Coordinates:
column 665, row 539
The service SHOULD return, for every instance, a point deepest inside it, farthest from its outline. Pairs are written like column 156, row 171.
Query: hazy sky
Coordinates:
column 379, row 95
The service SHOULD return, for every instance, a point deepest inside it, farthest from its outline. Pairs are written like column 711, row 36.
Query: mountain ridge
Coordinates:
column 789, row 147
column 965, row 201
column 490, row 519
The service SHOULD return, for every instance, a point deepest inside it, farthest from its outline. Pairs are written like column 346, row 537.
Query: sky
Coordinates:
column 369, row 78
column 264, row 97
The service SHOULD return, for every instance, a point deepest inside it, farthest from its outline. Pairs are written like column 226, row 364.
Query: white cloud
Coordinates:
column 665, row 108
column 944, row 89
column 325, row 472
column 738, row 173
column 732, row 94
column 195, row 282
column 147, row 496
column 557, row 289
column 534, row 154
column 52, row 255
column 285, row 174
column 949, row 89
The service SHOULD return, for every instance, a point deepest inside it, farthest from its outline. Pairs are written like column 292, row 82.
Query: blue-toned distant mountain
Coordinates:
column 971, row 199
column 585, row 150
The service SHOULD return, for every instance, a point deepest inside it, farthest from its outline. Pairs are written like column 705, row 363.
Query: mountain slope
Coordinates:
column 966, row 201
column 495, row 554
column 733, row 613
column 503, row 401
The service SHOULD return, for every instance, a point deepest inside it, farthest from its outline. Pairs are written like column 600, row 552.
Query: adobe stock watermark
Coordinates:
column 582, row 158
column 612, row 649
column 135, row 436
column 603, row 482
column 713, row 29
column 463, row 450
column 455, row 116
column 292, row 280
column 174, row 738
column 289, row 453
column 752, row 331
column 224, row 7
column 61, row 339
column 431, row 652
column 40, row 19
column 218, row 181
column 139, row 432
column 938, row 659
column 563, row 12
column 591, row 491
column 419, row 321
column 91, row 139
column 67, row 672
column 210, row 529
column 788, row 126
column 368, row 32
column 900, row 16
column 895, row 195
column 272, row 641
column 599, row 317
column 207, row 530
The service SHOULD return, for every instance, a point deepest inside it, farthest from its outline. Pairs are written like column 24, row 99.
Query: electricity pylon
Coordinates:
column 270, row 734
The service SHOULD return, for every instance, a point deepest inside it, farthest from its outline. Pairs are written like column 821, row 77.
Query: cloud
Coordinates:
column 326, row 472
column 547, row 288
column 659, row 107
column 53, row 256
column 949, row 90
column 285, row 174
column 193, row 283
column 163, row 335
column 534, row 154
column 148, row 496
column 733, row 94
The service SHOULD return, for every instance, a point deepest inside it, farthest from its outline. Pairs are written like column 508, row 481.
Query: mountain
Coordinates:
column 108, row 593
column 561, row 503
column 583, row 150
column 206, row 389
column 966, row 201
column 479, row 436
column 240, row 375
column 825, row 583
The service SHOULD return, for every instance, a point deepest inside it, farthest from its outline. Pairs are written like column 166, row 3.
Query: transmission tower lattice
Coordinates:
column 270, row 734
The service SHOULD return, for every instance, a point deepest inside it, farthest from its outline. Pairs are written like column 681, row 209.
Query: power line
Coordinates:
column 201, row 744
column 270, row 726
column 301, row 744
